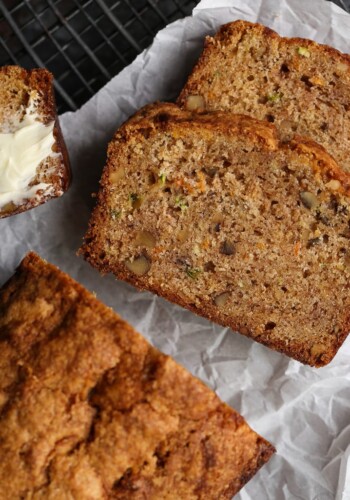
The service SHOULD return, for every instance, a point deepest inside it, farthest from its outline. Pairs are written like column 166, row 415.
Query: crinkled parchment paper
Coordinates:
column 303, row 411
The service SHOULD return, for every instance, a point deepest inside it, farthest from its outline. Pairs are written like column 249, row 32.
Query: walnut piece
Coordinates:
column 139, row 266
column 195, row 103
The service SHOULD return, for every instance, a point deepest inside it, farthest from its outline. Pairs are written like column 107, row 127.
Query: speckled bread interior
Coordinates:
column 214, row 212
column 300, row 86
column 89, row 410
column 18, row 88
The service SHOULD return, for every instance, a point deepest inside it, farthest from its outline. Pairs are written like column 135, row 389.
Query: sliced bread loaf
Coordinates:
column 90, row 411
column 213, row 212
column 34, row 164
column 298, row 84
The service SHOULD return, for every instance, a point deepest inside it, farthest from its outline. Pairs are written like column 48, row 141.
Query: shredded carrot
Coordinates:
column 183, row 183
column 205, row 244
column 158, row 249
column 201, row 184
column 297, row 247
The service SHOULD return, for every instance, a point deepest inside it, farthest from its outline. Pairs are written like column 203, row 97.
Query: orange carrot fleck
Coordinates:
column 201, row 184
column 158, row 249
column 297, row 247
column 183, row 183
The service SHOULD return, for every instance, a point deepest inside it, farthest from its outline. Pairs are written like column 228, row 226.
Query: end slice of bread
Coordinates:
column 34, row 165
column 299, row 85
column 213, row 212
column 90, row 410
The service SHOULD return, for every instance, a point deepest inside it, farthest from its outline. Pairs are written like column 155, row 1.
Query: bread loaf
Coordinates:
column 90, row 410
column 213, row 212
column 299, row 85
column 34, row 165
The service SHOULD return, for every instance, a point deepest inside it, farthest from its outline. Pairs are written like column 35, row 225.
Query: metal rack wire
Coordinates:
column 84, row 42
column 345, row 4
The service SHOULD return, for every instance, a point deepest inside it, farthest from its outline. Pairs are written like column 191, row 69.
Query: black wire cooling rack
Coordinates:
column 84, row 42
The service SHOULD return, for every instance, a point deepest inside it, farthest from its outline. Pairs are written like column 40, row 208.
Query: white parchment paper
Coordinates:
column 303, row 411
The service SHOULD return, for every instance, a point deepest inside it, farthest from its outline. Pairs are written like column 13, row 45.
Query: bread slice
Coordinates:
column 213, row 212
column 34, row 164
column 90, row 410
column 297, row 84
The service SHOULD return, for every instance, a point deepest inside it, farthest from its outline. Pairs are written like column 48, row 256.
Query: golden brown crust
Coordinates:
column 167, row 118
column 236, row 30
column 88, row 409
column 231, row 29
column 301, row 86
column 154, row 116
column 162, row 114
column 17, row 83
column 322, row 162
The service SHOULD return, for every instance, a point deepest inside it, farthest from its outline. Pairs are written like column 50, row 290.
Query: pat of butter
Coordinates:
column 21, row 152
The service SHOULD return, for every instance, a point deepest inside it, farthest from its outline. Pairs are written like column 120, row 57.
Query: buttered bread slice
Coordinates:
column 213, row 212
column 297, row 84
column 34, row 164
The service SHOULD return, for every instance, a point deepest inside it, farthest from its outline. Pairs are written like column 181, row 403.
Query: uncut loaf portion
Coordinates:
column 213, row 212
column 34, row 164
column 89, row 410
column 299, row 85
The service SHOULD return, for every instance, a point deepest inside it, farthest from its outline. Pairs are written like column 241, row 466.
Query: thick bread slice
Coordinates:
column 30, row 94
column 89, row 410
column 212, row 212
column 299, row 85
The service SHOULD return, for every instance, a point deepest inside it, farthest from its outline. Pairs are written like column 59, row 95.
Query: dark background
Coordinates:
column 84, row 42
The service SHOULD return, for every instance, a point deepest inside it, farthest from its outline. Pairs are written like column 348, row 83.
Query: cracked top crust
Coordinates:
column 89, row 410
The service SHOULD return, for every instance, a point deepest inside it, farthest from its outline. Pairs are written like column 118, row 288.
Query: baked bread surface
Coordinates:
column 218, row 214
column 90, row 410
column 20, row 90
column 301, row 86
